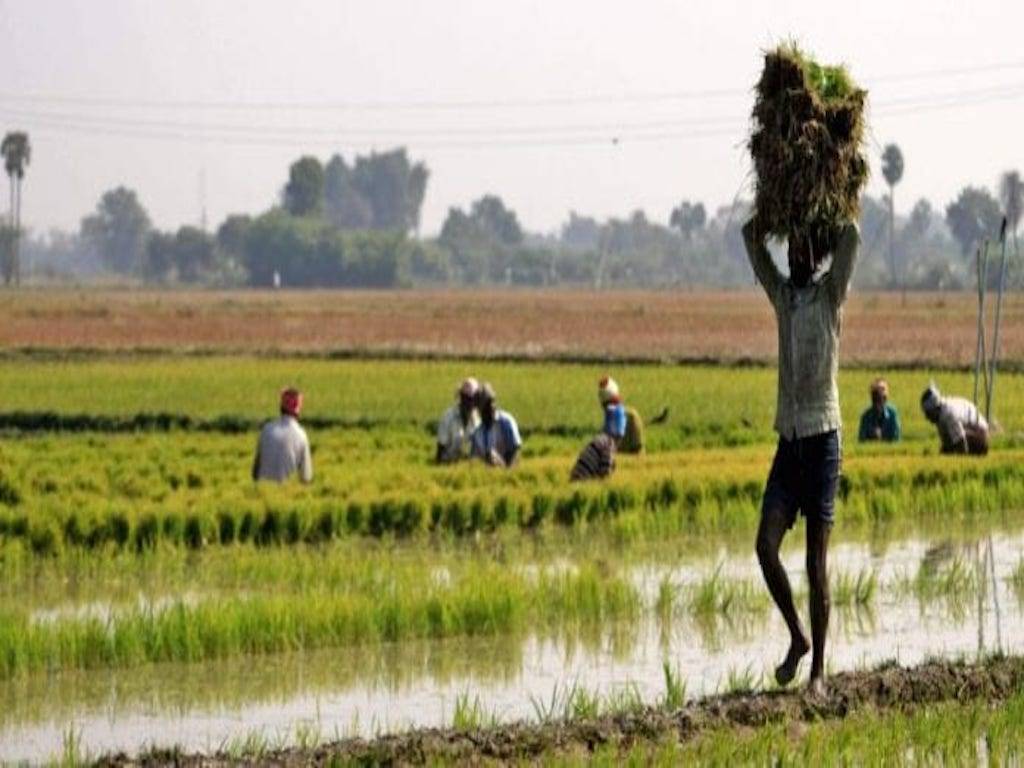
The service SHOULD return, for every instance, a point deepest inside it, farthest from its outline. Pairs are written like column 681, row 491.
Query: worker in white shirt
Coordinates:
column 283, row 448
column 458, row 423
column 962, row 428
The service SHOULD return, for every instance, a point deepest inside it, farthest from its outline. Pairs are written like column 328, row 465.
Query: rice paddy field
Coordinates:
column 156, row 604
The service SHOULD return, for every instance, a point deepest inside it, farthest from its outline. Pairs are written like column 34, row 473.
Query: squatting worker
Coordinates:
column 283, row 448
column 962, row 428
column 497, row 439
column 881, row 421
column 458, row 423
column 805, row 471
column 597, row 459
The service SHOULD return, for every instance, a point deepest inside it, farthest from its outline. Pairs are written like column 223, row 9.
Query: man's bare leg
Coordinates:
column 817, row 577
column 773, row 527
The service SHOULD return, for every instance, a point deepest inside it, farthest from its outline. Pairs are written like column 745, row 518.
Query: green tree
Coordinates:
column 972, row 216
column 17, row 153
column 304, row 192
column 231, row 235
column 393, row 187
column 159, row 259
column 892, row 170
column 194, row 252
column 117, row 231
column 496, row 221
column 344, row 205
column 688, row 218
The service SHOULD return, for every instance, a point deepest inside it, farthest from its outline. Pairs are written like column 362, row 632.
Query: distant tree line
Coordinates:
column 356, row 224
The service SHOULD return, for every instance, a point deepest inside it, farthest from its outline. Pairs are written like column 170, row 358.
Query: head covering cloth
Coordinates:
column 291, row 401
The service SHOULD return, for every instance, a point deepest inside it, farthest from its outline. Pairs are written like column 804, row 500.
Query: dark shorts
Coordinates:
column 804, row 477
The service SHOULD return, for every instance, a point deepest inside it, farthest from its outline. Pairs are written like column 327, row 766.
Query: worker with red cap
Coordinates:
column 283, row 448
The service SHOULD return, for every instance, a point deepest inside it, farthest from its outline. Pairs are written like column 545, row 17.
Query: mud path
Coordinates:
column 888, row 687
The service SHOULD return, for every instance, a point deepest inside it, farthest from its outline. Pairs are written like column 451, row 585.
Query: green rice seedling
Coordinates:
column 668, row 594
column 1016, row 580
column 849, row 591
column 623, row 700
column 807, row 146
column 353, row 607
column 145, row 535
column 307, row 735
column 470, row 715
column 547, row 711
column 717, row 594
column 72, row 755
column 741, row 680
column 225, row 528
column 581, row 703
column 675, row 687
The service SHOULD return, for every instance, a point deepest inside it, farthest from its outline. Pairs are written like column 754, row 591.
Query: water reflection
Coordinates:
column 935, row 598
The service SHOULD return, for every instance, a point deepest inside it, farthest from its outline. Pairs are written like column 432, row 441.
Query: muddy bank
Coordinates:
column 887, row 687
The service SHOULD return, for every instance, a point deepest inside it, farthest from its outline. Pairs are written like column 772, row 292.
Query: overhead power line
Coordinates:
column 468, row 137
column 566, row 100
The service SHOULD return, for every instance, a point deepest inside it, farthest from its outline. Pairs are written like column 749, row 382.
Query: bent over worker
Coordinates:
column 805, row 470
column 597, row 459
column 283, row 448
column 962, row 428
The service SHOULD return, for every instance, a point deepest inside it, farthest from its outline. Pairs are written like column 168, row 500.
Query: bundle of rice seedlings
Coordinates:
column 806, row 143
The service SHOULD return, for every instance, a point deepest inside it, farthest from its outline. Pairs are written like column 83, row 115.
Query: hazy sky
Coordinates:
column 519, row 98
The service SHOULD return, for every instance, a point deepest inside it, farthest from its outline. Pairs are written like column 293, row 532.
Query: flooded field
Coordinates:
column 705, row 616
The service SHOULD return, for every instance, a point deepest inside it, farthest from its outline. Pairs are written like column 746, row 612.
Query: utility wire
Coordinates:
column 468, row 104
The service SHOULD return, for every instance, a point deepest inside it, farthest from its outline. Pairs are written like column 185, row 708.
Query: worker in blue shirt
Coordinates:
column 881, row 421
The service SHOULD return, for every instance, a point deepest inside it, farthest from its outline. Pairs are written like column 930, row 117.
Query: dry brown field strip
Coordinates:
column 929, row 329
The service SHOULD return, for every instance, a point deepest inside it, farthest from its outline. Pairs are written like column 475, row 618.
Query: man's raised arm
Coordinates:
column 844, row 258
column 761, row 260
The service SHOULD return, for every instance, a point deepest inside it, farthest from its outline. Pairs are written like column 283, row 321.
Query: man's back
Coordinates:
column 283, row 449
column 956, row 416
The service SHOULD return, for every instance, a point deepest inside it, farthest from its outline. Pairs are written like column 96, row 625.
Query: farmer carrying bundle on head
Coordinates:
column 881, row 421
column 283, row 448
column 457, row 424
column 962, row 428
column 497, row 439
column 807, row 155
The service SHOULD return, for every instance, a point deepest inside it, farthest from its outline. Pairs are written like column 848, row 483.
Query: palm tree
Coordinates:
column 1011, row 192
column 17, row 152
column 892, row 170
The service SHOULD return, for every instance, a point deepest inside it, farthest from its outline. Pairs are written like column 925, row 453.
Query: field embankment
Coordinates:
column 765, row 726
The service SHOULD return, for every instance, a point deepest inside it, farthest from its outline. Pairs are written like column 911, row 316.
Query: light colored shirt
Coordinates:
column 809, row 322
column 501, row 436
column 282, row 450
column 453, row 435
column 955, row 413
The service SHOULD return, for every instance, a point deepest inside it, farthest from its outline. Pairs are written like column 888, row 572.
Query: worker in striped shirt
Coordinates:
column 597, row 459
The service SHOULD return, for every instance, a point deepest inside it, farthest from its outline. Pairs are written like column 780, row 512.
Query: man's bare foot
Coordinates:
column 816, row 687
column 786, row 671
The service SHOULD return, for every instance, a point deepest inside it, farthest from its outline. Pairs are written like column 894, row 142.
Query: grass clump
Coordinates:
column 806, row 146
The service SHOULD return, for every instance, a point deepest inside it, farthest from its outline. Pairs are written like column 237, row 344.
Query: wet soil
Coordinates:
column 888, row 687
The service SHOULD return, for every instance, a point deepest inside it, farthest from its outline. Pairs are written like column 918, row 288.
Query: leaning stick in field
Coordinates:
column 980, row 363
column 995, row 334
